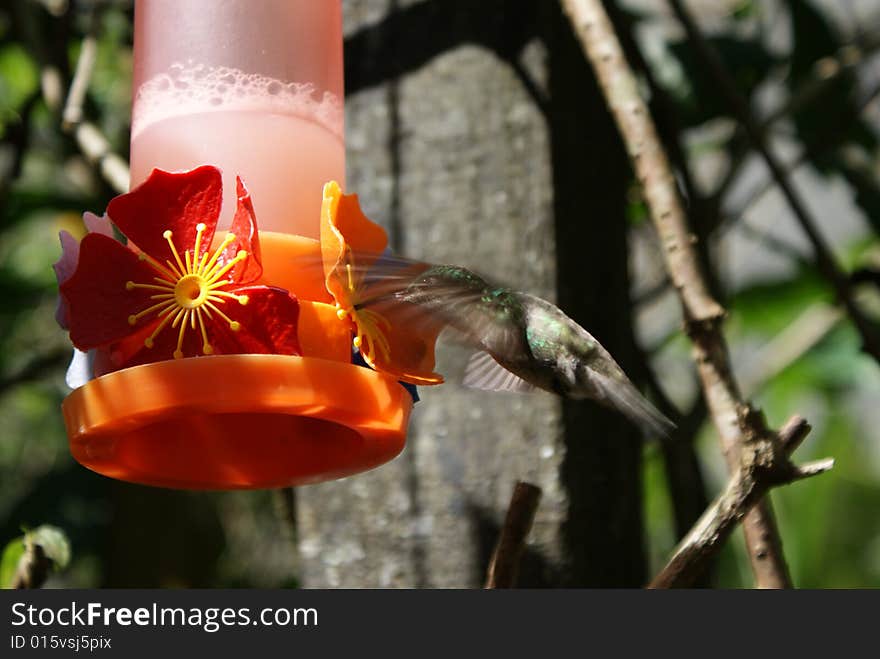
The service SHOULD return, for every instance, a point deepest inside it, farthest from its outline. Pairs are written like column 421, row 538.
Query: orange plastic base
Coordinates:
column 246, row 421
column 237, row 422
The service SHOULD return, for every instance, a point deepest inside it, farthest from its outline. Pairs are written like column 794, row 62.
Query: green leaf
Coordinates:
column 769, row 308
column 9, row 561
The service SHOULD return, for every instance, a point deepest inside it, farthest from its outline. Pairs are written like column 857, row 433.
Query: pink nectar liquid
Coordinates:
column 283, row 159
column 254, row 88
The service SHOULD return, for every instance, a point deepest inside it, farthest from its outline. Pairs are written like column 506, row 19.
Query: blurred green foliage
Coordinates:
column 125, row 535
column 53, row 542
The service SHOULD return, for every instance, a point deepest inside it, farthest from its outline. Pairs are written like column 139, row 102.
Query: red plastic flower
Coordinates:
column 169, row 292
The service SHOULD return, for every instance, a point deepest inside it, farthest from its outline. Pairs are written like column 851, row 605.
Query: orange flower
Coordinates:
column 386, row 332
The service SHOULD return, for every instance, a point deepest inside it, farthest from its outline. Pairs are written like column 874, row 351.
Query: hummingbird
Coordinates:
column 522, row 342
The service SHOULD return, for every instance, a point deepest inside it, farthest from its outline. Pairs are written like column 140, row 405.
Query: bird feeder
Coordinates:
column 221, row 332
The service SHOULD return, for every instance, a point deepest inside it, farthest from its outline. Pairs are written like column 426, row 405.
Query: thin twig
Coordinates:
column 825, row 261
column 793, row 433
column 504, row 566
column 703, row 314
column 79, row 86
column 763, row 467
column 91, row 141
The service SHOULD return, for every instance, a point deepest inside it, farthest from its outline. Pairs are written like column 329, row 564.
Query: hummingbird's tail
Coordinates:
column 629, row 401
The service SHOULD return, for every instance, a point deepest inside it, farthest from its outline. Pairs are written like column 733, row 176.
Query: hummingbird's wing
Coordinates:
column 483, row 372
column 480, row 315
column 474, row 313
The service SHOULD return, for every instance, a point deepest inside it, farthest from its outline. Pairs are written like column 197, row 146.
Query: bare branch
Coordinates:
column 763, row 466
column 703, row 315
column 76, row 95
column 504, row 566
column 793, row 433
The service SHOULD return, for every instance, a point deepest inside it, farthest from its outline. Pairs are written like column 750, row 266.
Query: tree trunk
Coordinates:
column 476, row 135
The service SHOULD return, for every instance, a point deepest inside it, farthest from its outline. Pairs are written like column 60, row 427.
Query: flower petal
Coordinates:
column 244, row 227
column 96, row 224
column 64, row 267
column 170, row 201
column 99, row 302
column 411, row 334
column 344, row 225
column 269, row 323
column 119, row 354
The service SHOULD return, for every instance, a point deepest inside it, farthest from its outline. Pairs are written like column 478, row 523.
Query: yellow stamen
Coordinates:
column 350, row 277
column 179, row 353
column 241, row 256
column 369, row 327
column 150, row 339
column 132, row 319
column 177, row 317
column 187, row 293
column 130, row 286
column 234, row 325
column 206, row 345
column 200, row 229
column 206, row 269
column 167, row 236
column 217, row 296
column 158, row 267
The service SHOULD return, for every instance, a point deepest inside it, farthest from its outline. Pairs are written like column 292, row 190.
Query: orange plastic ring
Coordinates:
column 237, row 422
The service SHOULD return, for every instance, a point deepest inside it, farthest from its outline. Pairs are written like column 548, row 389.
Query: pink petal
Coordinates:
column 96, row 224
column 64, row 268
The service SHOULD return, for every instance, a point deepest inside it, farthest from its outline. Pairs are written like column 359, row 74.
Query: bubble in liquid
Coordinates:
column 191, row 88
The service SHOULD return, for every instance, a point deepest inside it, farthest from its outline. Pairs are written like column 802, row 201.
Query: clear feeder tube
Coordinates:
column 254, row 87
